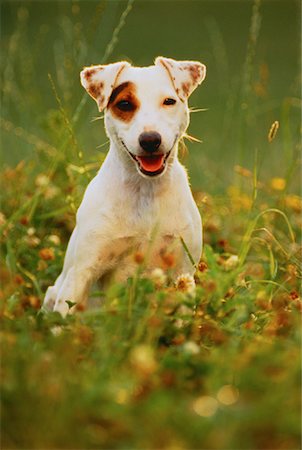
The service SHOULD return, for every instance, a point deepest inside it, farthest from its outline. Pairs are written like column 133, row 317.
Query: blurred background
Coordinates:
column 154, row 368
column 251, row 50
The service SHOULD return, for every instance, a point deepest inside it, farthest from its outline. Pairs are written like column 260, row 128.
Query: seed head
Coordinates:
column 273, row 131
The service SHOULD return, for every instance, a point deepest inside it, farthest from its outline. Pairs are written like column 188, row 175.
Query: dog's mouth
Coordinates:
column 150, row 165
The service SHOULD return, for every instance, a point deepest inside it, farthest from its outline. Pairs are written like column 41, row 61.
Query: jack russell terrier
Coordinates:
column 140, row 200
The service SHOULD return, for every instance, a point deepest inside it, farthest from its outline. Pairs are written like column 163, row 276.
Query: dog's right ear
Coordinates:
column 99, row 81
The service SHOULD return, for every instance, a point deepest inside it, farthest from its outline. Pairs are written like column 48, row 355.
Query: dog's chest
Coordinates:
column 147, row 209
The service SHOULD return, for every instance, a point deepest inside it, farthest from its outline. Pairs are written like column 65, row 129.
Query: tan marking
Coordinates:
column 95, row 90
column 89, row 73
column 195, row 70
column 186, row 88
column 126, row 91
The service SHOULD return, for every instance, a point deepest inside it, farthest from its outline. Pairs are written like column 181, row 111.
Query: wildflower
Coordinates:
column 19, row 279
column 202, row 266
column 122, row 396
column 294, row 295
column 24, row 220
column 239, row 200
column 243, row 171
column 185, row 283
column 83, row 335
column 31, row 231
column 167, row 258
column 209, row 285
column 31, row 301
column 42, row 265
column 278, row 184
column 228, row 395
column 32, row 241
column 158, row 277
column 42, row 180
column 191, row 347
column 205, row 406
column 54, row 239
column 231, row 262
column 294, row 202
column 143, row 360
column 51, row 192
column 273, row 131
column 222, row 243
column 47, row 254
column 179, row 339
column 139, row 257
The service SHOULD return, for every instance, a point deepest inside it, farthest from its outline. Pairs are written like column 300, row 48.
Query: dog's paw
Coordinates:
column 50, row 299
column 64, row 307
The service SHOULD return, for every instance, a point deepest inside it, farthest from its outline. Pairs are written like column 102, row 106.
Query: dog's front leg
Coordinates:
column 53, row 291
column 86, row 261
column 75, row 288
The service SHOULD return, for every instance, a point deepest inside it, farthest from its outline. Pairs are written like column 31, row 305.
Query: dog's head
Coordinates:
column 146, row 110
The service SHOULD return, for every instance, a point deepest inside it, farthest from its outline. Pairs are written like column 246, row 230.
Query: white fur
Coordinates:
column 124, row 211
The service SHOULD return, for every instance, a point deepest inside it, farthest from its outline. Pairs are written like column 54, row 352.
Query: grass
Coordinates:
column 155, row 366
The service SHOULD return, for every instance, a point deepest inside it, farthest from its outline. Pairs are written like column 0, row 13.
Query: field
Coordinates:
column 156, row 366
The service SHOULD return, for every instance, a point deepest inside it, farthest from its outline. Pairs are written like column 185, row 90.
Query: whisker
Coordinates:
column 194, row 110
column 97, row 118
column 102, row 145
column 191, row 138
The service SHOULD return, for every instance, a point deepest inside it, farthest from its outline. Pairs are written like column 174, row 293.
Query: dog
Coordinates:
column 140, row 201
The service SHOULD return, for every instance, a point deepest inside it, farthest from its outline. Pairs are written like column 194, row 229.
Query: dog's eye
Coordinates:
column 125, row 105
column 169, row 101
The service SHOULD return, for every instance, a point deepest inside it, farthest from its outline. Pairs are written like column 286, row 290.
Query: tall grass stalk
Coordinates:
column 108, row 52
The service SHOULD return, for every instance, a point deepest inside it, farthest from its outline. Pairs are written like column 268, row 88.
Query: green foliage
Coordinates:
column 154, row 365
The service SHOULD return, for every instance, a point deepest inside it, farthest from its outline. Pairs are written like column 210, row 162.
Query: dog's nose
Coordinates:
column 150, row 141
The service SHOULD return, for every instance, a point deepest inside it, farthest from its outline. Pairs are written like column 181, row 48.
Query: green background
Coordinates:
column 253, row 74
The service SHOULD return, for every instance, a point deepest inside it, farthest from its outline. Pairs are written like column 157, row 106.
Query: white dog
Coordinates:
column 140, row 200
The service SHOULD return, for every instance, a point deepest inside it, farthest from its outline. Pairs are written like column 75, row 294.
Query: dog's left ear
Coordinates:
column 99, row 81
column 185, row 75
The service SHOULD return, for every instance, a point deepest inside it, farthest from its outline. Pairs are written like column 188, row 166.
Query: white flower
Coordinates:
column 54, row 239
column 191, row 347
column 42, row 180
column 231, row 262
column 158, row 277
column 186, row 283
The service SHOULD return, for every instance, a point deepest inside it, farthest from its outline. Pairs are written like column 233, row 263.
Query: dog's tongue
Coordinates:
column 151, row 163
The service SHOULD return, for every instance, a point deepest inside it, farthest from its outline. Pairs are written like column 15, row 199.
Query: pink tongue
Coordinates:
column 151, row 163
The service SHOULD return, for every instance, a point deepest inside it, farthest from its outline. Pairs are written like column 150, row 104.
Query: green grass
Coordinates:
column 154, row 366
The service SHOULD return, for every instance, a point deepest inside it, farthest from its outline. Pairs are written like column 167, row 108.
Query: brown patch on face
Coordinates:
column 125, row 92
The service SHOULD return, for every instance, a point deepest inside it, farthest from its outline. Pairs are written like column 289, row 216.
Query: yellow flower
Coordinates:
column 294, row 202
column 278, row 184
column 205, row 406
column 228, row 395
column 42, row 180
column 142, row 358
column 243, row 171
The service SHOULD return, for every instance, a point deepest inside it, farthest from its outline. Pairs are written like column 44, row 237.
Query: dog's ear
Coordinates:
column 99, row 81
column 185, row 75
